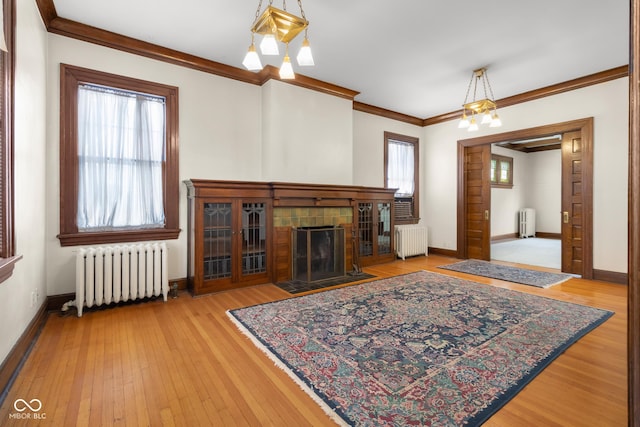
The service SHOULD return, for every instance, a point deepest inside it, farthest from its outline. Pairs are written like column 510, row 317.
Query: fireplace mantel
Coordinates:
column 291, row 194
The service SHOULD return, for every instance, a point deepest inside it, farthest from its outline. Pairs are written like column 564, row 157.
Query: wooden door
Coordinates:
column 478, row 201
column 572, row 203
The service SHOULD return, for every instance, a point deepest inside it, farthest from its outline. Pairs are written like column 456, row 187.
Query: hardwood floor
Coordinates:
column 183, row 363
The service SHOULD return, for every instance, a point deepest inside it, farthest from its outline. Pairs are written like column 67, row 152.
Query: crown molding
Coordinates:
column 76, row 30
column 371, row 109
column 593, row 79
column 72, row 29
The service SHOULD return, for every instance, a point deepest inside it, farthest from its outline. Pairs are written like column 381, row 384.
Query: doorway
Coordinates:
column 474, row 193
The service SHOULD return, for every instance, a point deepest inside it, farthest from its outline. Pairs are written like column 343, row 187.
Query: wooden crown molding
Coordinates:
column 72, row 29
column 76, row 30
column 366, row 108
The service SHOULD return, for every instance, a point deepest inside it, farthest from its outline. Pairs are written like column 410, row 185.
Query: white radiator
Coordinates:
column 109, row 274
column 527, row 223
column 411, row 240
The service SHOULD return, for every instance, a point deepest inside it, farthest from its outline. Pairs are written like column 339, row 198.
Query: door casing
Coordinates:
column 585, row 127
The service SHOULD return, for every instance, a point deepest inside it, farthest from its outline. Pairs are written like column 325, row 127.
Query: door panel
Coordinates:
column 478, row 201
column 572, row 207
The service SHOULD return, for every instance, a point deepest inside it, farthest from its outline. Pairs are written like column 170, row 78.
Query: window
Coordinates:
column 118, row 159
column 501, row 171
column 401, row 172
column 8, row 257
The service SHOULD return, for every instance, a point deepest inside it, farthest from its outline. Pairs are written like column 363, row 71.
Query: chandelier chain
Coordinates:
column 466, row 97
column 301, row 10
column 486, row 78
column 258, row 9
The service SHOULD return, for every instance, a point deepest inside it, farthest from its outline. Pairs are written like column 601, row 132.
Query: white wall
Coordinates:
column 544, row 189
column 610, row 114
column 16, row 311
column 536, row 184
column 307, row 135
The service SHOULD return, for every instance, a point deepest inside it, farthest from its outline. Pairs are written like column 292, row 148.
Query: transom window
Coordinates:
column 118, row 163
column 401, row 172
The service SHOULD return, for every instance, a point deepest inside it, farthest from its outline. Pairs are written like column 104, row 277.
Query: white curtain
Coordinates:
column 121, row 147
column 400, row 163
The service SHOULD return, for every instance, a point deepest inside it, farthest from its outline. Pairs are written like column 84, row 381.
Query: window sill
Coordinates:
column 76, row 239
column 6, row 266
column 494, row 185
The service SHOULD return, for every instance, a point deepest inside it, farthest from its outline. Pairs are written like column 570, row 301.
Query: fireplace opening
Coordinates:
column 318, row 253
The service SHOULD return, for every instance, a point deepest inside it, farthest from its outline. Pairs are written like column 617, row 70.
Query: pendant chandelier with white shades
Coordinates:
column 485, row 107
column 278, row 25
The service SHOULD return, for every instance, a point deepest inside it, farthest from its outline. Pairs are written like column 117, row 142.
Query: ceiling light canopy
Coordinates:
column 485, row 107
column 278, row 25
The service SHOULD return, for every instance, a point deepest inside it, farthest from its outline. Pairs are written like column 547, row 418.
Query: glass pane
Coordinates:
column 504, row 171
column 217, row 240
column 365, row 228
column 493, row 171
column 254, row 236
column 384, row 228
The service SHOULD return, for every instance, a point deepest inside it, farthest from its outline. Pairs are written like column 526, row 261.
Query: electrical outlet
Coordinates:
column 33, row 299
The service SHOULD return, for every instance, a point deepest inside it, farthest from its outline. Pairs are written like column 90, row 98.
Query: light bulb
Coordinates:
column 305, row 58
column 286, row 70
column 473, row 126
column 495, row 121
column 269, row 45
column 486, row 117
column 251, row 60
column 464, row 122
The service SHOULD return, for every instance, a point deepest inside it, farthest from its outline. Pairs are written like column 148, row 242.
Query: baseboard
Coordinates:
column 505, row 236
column 20, row 351
column 544, row 235
column 55, row 302
column 611, row 276
column 444, row 252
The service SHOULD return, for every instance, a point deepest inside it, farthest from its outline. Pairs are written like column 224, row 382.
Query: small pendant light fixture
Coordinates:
column 278, row 25
column 485, row 107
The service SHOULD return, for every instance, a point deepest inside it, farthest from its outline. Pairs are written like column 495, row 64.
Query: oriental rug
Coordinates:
column 418, row 349
column 540, row 279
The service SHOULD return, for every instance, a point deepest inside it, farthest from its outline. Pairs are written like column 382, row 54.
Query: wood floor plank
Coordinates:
column 184, row 363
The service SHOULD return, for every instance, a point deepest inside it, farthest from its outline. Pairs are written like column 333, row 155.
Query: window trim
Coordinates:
column 8, row 257
column 70, row 77
column 502, row 159
column 416, row 173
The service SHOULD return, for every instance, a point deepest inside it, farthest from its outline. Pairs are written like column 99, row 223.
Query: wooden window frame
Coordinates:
column 8, row 256
column 502, row 159
column 70, row 78
column 415, row 218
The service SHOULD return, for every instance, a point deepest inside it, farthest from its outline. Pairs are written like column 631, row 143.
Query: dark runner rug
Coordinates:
column 540, row 279
column 418, row 349
column 298, row 286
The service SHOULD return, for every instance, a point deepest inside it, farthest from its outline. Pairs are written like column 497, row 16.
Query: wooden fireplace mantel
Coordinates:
column 290, row 194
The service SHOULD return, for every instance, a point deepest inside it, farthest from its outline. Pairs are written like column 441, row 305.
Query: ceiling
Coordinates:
column 414, row 57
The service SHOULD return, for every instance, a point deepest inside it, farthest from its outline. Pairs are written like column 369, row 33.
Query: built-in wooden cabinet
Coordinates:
column 234, row 241
column 229, row 236
column 374, row 227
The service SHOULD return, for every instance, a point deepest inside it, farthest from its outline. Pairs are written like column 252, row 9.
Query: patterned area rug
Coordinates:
column 540, row 279
column 418, row 349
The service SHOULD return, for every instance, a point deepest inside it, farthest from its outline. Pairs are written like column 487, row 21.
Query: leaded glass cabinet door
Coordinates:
column 365, row 229
column 384, row 228
column 254, row 238
column 217, row 241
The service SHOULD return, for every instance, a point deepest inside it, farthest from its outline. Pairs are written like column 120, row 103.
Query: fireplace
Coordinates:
column 318, row 253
